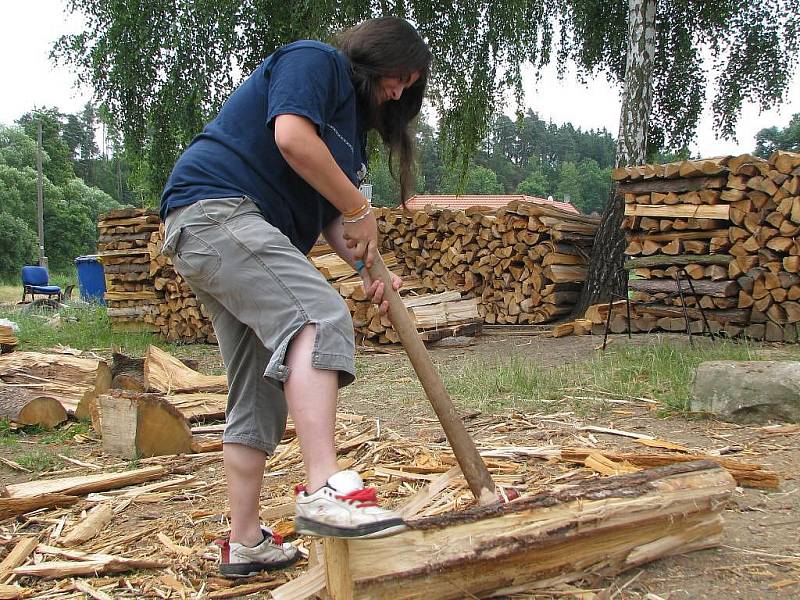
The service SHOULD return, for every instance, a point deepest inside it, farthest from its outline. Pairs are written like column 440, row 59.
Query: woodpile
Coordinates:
column 518, row 265
column 123, row 245
column 727, row 225
column 8, row 338
column 435, row 315
column 524, row 264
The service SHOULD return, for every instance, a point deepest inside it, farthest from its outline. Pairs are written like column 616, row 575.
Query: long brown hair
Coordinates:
column 388, row 47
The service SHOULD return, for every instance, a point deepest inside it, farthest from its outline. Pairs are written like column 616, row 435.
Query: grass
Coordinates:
column 661, row 371
column 39, row 460
column 82, row 326
column 11, row 288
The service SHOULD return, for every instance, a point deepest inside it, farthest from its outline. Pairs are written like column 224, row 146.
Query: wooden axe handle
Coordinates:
column 471, row 463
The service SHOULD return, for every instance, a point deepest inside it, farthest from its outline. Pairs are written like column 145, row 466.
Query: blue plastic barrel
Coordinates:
column 91, row 281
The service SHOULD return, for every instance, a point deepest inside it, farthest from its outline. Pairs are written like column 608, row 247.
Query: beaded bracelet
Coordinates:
column 359, row 264
column 357, row 219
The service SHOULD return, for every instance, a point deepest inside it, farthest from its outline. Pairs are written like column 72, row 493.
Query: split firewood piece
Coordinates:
column 200, row 406
column 10, row 507
column 13, row 592
column 83, row 586
column 85, row 564
column 239, row 591
column 95, row 521
column 146, row 425
column 84, row 484
column 18, row 555
column 746, row 474
column 600, row 527
column 70, row 379
column 29, row 407
column 165, row 373
column 7, row 336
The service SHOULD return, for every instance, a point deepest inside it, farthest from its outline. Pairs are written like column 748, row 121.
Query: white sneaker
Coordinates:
column 344, row 508
column 238, row 560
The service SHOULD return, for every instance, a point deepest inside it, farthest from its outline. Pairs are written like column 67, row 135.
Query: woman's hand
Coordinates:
column 362, row 237
column 375, row 289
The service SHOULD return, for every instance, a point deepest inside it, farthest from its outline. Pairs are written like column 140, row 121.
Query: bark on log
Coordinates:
column 600, row 527
column 69, row 379
column 28, row 407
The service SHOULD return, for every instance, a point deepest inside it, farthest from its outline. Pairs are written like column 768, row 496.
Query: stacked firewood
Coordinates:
column 524, row 263
column 435, row 315
column 729, row 226
column 181, row 316
column 123, row 241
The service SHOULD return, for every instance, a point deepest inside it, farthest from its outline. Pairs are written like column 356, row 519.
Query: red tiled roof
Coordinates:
column 492, row 202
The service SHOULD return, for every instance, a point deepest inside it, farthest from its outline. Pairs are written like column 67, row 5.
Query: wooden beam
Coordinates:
column 671, row 185
column 696, row 211
column 679, row 235
column 718, row 289
column 659, row 260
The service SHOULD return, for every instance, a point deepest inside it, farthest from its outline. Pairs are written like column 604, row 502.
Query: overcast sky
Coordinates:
column 28, row 29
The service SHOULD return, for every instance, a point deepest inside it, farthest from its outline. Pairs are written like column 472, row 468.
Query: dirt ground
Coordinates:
column 760, row 554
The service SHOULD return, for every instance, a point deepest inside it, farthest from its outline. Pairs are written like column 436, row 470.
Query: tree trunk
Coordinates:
column 606, row 274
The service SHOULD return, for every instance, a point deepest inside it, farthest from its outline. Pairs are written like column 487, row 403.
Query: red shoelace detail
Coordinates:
column 225, row 549
column 361, row 498
column 277, row 538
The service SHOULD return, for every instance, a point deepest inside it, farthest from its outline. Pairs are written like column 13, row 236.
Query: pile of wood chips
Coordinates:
column 115, row 529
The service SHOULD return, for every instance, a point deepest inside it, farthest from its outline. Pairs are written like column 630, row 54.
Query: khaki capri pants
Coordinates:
column 261, row 291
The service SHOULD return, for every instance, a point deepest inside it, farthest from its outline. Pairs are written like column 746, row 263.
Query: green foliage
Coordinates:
column 164, row 67
column 595, row 186
column 751, row 46
column 17, row 245
column 59, row 168
column 770, row 139
column 535, row 182
column 17, row 150
column 478, row 180
column 71, row 207
column 569, row 184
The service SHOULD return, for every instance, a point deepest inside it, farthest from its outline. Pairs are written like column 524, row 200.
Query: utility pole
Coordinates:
column 39, row 194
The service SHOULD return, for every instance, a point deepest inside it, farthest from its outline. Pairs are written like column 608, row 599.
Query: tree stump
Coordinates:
column 28, row 407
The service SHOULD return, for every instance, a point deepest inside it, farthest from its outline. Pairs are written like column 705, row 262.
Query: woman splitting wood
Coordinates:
column 281, row 163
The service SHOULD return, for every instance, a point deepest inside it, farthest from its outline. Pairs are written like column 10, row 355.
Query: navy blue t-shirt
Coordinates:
column 236, row 154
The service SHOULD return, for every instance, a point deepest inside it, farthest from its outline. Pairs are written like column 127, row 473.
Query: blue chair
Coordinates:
column 35, row 281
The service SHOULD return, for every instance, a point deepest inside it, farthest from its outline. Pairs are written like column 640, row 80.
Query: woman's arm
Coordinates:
column 306, row 153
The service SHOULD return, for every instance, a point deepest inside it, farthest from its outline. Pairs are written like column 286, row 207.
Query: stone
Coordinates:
column 748, row 391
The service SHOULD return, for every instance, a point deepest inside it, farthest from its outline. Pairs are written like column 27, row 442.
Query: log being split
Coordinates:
column 600, row 527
